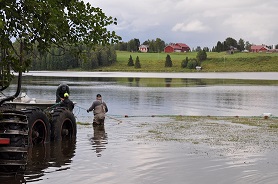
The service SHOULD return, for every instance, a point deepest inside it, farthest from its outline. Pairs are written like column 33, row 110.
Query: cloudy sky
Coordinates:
column 194, row 22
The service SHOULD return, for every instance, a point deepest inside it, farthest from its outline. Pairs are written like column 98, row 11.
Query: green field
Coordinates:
column 216, row 62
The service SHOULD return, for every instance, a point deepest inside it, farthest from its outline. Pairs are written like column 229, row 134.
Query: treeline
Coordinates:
column 73, row 58
column 231, row 43
column 155, row 46
column 99, row 56
column 158, row 45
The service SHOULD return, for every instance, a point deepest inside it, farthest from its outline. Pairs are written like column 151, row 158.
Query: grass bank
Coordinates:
column 216, row 62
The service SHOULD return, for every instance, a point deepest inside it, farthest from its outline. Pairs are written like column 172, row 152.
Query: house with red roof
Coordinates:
column 177, row 47
column 259, row 48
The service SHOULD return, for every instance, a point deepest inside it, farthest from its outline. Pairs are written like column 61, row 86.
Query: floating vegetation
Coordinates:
column 225, row 133
column 83, row 123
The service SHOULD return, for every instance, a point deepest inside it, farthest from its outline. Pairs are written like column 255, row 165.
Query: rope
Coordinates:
column 81, row 107
column 52, row 106
column 105, row 114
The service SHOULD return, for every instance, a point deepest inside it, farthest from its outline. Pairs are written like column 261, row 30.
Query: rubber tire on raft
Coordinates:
column 63, row 124
column 13, row 156
column 39, row 126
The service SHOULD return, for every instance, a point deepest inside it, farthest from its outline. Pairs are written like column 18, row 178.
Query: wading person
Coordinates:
column 66, row 102
column 99, row 109
column 61, row 90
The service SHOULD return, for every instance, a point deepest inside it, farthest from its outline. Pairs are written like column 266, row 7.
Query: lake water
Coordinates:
column 114, row 155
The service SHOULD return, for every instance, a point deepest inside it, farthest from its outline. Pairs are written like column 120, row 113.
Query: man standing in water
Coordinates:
column 99, row 109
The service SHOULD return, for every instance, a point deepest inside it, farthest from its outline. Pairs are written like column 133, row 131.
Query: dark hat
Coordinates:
column 98, row 95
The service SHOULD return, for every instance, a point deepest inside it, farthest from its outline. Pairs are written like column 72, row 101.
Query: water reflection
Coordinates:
column 55, row 154
column 163, row 96
column 42, row 157
column 99, row 139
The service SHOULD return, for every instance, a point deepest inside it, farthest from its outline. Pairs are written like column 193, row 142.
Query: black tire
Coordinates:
column 13, row 156
column 39, row 126
column 63, row 124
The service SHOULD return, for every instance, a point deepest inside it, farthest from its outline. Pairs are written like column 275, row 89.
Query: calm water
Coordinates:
column 115, row 155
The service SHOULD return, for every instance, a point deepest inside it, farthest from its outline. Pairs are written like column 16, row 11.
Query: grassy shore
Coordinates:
column 216, row 62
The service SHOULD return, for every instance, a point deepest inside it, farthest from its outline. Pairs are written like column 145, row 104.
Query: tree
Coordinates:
column 137, row 63
column 130, row 61
column 241, row 44
column 160, row 44
column 168, row 62
column 231, row 42
column 184, row 63
column 219, row 47
column 43, row 24
column 192, row 63
column 133, row 45
column 247, row 46
column 206, row 49
column 198, row 48
column 201, row 55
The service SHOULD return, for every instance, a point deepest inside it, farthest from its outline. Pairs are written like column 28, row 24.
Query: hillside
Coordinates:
column 216, row 62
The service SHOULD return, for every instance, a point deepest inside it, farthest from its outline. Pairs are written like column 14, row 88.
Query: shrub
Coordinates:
column 168, row 62
column 184, row 63
column 201, row 55
column 137, row 63
column 192, row 63
column 130, row 61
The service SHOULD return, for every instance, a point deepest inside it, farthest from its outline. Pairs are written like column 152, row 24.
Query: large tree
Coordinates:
column 241, row 44
column 47, row 23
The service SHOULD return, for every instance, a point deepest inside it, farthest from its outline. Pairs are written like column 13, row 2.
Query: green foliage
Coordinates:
column 130, row 61
column 137, row 63
column 168, row 62
column 184, row 63
column 133, row 45
column 216, row 62
column 192, row 63
column 91, row 59
column 45, row 24
column 201, row 55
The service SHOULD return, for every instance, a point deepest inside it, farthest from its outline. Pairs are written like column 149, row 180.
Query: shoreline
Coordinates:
column 196, row 75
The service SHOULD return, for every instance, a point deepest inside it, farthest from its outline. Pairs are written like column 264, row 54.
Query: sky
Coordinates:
column 194, row 22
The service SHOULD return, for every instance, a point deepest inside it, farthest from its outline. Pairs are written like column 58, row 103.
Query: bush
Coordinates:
column 184, row 63
column 168, row 62
column 130, row 61
column 137, row 63
column 192, row 63
column 201, row 55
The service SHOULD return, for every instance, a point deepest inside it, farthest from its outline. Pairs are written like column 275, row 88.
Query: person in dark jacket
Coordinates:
column 66, row 102
column 61, row 90
column 99, row 109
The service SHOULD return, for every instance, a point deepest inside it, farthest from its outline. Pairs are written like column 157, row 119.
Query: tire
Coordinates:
column 39, row 126
column 63, row 124
column 13, row 156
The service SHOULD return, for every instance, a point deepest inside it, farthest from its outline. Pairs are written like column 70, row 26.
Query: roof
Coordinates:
column 174, row 46
column 182, row 45
column 258, row 47
column 145, row 46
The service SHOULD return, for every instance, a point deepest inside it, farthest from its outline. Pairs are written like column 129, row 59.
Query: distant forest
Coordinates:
column 64, row 59
column 158, row 45
column 67, row 58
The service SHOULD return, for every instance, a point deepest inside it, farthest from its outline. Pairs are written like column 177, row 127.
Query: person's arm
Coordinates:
column 92, row 107
column 106, row 108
